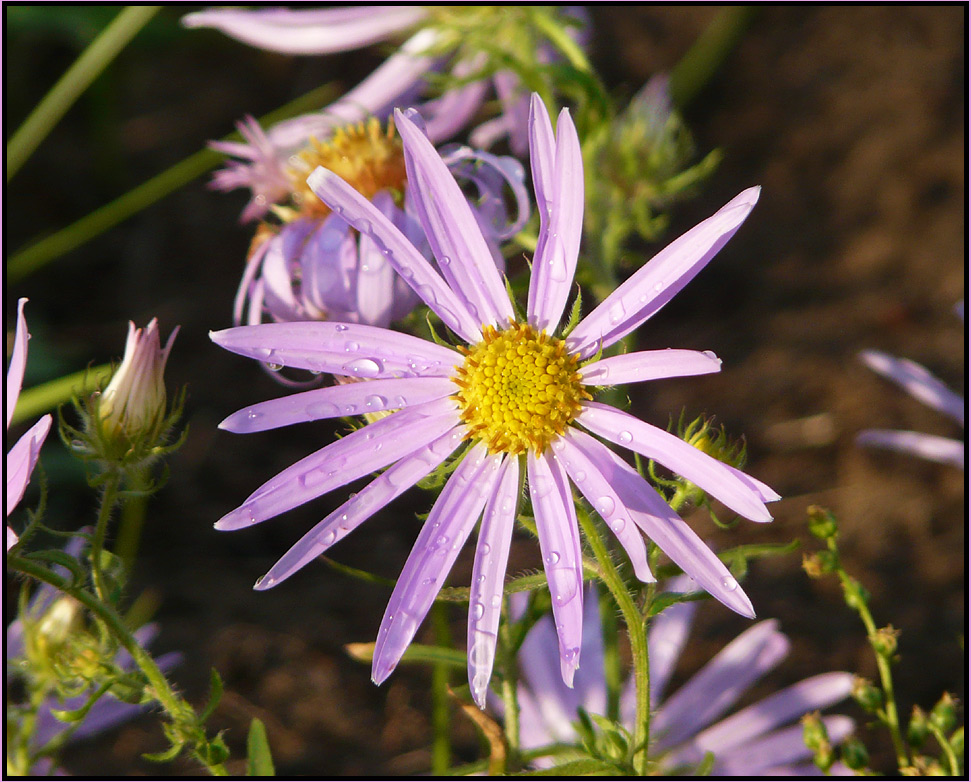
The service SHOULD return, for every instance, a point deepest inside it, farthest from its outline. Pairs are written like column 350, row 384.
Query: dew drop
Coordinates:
column 658, row 287
column 445, row 260
column 605, row 506
column 322, row 410
column 616, row 313
column 252, row 415
column 485, row 549
column 352, row 347
column 376, row 401
column 478, row 610
column 553, row 557
column 363, row 367
column 729, row 583
column 274, row 367
column 580, row 476
column 625, row 437
column 496, row 601
column 327, row 539
column 341, row 327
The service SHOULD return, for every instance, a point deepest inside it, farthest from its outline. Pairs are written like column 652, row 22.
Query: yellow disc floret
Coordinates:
column 367, row 156
column 519, row 389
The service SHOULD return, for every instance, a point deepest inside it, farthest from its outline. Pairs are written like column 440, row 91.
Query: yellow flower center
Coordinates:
column 519, row 389
column 366, row 156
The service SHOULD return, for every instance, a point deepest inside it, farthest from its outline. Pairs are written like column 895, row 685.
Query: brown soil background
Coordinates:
column 853, row 121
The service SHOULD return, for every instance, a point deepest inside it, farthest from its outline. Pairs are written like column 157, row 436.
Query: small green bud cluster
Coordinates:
column 816, row 738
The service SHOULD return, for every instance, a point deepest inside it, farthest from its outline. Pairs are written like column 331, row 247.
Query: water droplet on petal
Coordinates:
column 340, row 327
column 729, row 583
column 625, row 437
column 274, row 367
column 445, row 260
column 553, row 558
column 376, row 401
column 352, row 347
column 616, row 313
column 496, row 601
column 605, row 506
column 477, row 611
column 363, row 367
column 580, row 476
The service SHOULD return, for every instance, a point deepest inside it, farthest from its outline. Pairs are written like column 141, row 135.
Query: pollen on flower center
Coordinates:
column 519, row 389
column 366, row 155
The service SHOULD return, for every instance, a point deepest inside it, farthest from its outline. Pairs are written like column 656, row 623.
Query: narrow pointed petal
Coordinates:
column 927, row 446
column 555, row 261
column 317, row 31
column 488, row 574
column 349, row 349
column 371, row 396
column 720, row 683
column 393, row 482
column 21, row 460
column 649, row 365
column 375, row 281
column 601, row 495
column 780, row 708
column 678, row 456
column 662, row 525
column 18, row 361
column 660, row 279
column 371, row 448
column 774, row 752
column 451, row 228
column 559, row 541
column 588, row 684
column 400, row 252
column 917, row 382
column 542, row 153
column 451, row 520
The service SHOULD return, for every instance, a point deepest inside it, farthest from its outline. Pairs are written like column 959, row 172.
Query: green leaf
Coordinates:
column 259, row 761
column 76, row 715
column 666, row 599
column 215, row 695
column 575, row 768
column 416, row 653
column 574, row 317
column 164, row 757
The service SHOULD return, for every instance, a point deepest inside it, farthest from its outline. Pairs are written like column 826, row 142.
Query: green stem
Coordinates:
column 179, row 711
column 109, row 496
column 47, row 396
column 637, row 632
column 952, row 759
column 132, row 518
column 41, row 252
column 441, row 744
column 509, row 699
column 612, row 672
column 85, row 69
column 708, row 53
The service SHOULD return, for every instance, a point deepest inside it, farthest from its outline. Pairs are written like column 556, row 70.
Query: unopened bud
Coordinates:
column 58, row 622
column 855, row 595
column 822, row 523
column 819, row 563
column 854, row 754
column 814, row 733
column 865, row 693
column 884, row 641
column 944, row 713
column 917, row 728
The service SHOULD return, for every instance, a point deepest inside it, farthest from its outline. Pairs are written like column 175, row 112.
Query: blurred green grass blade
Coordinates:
column 259, row 761
column 41, row 399
column 86, row 68
column 41, row 252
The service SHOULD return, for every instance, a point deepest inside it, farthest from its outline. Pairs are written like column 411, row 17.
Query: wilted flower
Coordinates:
column 516, row 393
column 133, row 404
column 23, row 456
column 763, row 739
column 922, row 385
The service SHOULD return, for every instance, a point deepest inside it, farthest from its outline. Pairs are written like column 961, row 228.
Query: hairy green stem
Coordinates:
column 85, row 69
column 178, row 710
column 109, row 496
column 41, row 252
column 133, row 517
column 637, row 632
column 510, row 702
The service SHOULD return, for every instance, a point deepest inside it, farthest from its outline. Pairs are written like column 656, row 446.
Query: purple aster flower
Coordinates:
column 922, row 385
column 517, row 394
column 56, row 613
column 763, row 739
column 23, row 456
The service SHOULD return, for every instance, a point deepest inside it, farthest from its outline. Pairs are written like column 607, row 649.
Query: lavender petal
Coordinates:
column 927, row 446
column 21, row 460
column 917, row 382
column 649, row 365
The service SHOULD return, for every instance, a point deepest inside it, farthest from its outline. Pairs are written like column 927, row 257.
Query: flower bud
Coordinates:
column 855, row 594
column 854, row 754
column 865, row 693
column 917, row 728
column 819, row 563
column 944, row 715
column 822, row 523
column 814, row 733
column 884, row 641
column 134, row 401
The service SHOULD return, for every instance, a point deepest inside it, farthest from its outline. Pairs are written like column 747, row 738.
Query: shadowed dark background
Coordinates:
column 853, row 121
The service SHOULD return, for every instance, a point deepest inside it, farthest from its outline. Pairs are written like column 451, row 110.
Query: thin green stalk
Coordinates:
column 952, row 759
column 85, row 70
column 509, row 697
column 48, row 396
column 177, row 709
column 109, row 496
column 42, row 251
column 132, row 518
column 637, row 633
column 441, row 740
column 612, row 672
column 708, row 53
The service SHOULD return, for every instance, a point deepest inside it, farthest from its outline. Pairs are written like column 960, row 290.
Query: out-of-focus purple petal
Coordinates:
column 11, row 538
column 674, row 453
column 21, row 460
column 18, row 361
column 452, row 230
column 662, row 525
column 349, row 349
column 488, row 573
column 375, row 446
column 927, row 446
column 917, row 382
column 542, row 153
column 447, row 115
column 649, row 365
column 451, row 520
column 668, row 636
column 778, row 749
column 713, row 690
column 400, row 252
column 393, row 482
column 371, row 396
column 601, row 495
column 559, row 541
column 660, row 279
column 317, row 31
column 555, row 261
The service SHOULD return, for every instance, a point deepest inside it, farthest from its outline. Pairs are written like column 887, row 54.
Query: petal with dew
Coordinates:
column 660, row 279
column 371, row 396
column 375, row 284
column 18, row 361
column 451, row 228
column 400, row 252
column 448, row 525
column 349, row 349
column 601, row 495
column 542, row 153
column 917, row 382
column 927, row 446
column 662, row 525
column 21, row 460
column 555, row 260
column 713, row 690
column 361, row 452
column 694, row 465
column 649, row 365
column 559, row 542
column 317, row 31
column 393, row 482
column 488, row 574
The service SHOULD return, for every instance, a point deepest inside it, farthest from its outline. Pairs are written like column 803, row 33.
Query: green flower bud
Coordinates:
column 865, row 693
column 854, row 754
column 814, row 733
column 917, row 728
column 855, row 595
column 822, row 523
column 944, row 713
column 884, row 641
column 819, row 563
